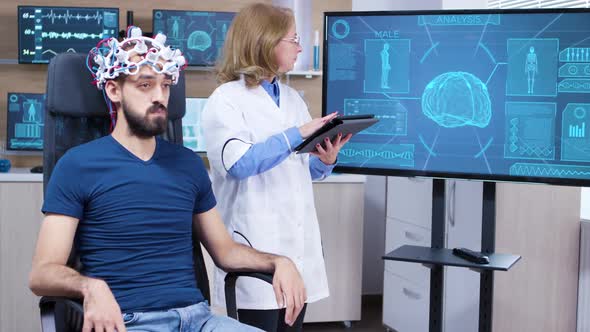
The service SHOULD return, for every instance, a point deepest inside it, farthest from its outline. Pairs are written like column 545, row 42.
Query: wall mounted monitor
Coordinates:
column 44, row 32
column 490, row 94
column 198, row 34
column 24, row 130
column 192, row 133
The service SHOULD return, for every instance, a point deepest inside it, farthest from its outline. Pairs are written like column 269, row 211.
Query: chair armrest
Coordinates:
column 61, row 314
column 230, row 288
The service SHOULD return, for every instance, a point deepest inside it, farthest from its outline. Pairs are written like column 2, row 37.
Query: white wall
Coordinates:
column 585, row 206
column 360, row 5
column 464, row 4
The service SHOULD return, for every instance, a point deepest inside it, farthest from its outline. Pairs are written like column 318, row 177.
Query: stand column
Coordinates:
column 437, row 242
column 488, row 246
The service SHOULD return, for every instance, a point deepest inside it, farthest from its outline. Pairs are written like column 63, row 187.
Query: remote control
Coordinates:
column 471, row 256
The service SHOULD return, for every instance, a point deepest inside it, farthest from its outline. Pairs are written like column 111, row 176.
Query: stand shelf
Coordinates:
column 430, row 256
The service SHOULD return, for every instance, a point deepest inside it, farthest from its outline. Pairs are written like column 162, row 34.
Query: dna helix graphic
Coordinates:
column 366, row 153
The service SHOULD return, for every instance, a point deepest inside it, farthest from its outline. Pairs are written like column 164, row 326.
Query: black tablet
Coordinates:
column 344, row 124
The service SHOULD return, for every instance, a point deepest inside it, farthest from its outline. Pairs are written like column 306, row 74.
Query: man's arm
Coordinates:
column 231, row 256
column 49, row 274
column 51, row 277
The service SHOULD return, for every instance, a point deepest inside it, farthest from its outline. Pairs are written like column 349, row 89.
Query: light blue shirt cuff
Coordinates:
column 318, row 169
column 293, row 137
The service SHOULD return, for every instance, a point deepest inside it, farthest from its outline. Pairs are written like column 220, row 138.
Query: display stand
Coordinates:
column 437, row 256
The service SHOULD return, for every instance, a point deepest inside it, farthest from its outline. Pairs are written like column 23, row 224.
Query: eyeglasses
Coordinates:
column 294, row 40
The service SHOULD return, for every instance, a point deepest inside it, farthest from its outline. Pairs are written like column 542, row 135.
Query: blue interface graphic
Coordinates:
column 199, row 35
column 489, row 95
column 192, row 132
column 46, row 31
column 25, row 121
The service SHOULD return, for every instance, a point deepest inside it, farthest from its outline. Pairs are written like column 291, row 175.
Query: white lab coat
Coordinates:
column 274, row 210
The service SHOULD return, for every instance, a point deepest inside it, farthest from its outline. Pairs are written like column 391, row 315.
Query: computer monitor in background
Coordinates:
column 43, row 32
column 198, row 34
column 192, row 134
column 25, row 113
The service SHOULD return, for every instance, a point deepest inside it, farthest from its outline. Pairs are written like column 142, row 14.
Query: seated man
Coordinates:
column 130, row 200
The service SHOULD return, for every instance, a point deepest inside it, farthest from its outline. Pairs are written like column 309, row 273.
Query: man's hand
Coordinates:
column 101, row 310
column 289, row 288
column 231, row 256
column 312, row 126
column 329, row 154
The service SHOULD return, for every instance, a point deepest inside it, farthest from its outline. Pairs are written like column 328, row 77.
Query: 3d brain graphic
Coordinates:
column 199, row 40
column 457, row 99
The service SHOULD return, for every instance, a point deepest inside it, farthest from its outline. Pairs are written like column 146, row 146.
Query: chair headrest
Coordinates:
column 71, row 93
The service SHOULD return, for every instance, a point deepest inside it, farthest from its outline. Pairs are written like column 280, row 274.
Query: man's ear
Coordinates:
column 113, row 91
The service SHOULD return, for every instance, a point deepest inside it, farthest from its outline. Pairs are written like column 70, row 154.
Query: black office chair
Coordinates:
column 76, row 113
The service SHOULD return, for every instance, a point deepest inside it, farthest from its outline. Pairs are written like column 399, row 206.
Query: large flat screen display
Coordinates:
column 24, row 122
column 491, row 95
column 43, row 32
column 198, row 34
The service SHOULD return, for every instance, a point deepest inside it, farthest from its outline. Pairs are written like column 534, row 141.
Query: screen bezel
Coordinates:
column 7, row 140
column 435, row 174
column 189, row 11
column 55, row 7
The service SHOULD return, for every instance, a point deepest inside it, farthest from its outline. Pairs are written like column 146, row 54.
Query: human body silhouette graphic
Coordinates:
column 175, row 29
column 32, row 112
column 531, row 68
column 385, row 67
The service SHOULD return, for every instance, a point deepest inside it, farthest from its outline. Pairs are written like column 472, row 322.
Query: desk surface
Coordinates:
column 24, row 175
column 21, row 175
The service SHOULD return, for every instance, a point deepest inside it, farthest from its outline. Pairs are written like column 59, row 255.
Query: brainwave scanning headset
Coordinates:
column 111, row 58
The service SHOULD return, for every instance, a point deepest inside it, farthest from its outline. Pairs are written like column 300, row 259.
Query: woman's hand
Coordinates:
column 329, row 154
column 312, row 126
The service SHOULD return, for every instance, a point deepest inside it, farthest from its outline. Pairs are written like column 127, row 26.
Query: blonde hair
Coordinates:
column 250, row 41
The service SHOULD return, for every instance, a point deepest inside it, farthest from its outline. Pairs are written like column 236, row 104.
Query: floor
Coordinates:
column 371, row 319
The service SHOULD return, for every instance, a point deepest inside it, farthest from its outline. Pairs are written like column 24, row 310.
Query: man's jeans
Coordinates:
column 197, row 317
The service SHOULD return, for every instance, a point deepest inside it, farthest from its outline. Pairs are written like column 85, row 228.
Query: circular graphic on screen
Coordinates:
column 340, row 29
column 580, row 113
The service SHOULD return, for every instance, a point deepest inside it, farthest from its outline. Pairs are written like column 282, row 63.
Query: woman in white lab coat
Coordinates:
column 251, row 124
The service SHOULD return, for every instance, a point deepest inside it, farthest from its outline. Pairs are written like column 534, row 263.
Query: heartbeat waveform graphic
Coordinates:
column 406, row 155
column 67, row 17
column 69, row 50
column 70, row 35
column 550, row 171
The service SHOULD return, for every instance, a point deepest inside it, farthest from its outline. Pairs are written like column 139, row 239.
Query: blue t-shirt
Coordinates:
column 135, row 229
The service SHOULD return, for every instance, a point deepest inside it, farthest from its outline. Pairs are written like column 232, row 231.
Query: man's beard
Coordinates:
column 142, row 126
